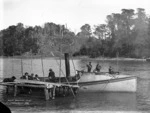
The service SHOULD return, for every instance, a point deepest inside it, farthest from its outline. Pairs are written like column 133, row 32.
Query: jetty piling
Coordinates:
column 15, row 90
column 7, row 89
column 54, row 90
column 47, row 94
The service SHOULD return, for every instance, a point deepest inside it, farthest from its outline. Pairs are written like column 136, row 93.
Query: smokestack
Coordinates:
column 67, row 64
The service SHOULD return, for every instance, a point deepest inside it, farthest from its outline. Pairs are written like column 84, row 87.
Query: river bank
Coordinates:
column 108, row 58
column 77, row 57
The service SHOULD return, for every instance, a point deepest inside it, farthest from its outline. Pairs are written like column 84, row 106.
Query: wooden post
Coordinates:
column 67, row 64
column 46, row 94
column 53, row 97
column 59, row 90
column 50, row 93
column 75, row 91
column 64, row 91
column 7, row 89
column 15, row 90
column 67, row 90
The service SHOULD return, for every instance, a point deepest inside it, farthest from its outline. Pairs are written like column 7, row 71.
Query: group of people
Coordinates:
column 30, row 77
column 98, row 68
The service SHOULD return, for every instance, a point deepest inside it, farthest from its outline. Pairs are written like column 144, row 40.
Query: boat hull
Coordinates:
column 108, row 84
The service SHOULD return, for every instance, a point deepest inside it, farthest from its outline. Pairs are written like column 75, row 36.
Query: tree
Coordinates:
column 85, row 31
column 148, row 38
column 120, row 26
column 30, row 42
column 141, row 27
column 101, row 31
column 9, row 41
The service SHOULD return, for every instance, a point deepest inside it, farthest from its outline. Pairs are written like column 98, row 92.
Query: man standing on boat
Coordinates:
column 110, row 70
column 98, row 68
column 51, row 75
column 89, row 67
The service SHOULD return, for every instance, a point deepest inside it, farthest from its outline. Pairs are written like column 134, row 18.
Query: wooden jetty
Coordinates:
column 50, row 89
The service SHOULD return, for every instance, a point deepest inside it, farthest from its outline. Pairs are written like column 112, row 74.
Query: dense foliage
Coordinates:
column 126, row 34
column 18, row 40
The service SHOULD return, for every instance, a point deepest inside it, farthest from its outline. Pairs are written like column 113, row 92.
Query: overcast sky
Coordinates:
column 74, row 13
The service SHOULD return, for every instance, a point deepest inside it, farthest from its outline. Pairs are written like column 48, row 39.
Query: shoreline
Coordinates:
column 75, row 58
column 111, row 59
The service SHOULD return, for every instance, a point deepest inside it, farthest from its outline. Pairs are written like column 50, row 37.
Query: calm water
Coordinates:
column 98, row 101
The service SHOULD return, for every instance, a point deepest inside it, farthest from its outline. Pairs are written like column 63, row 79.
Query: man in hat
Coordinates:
column 110, row 70
column 89, row 67
column 51, row 75
column 98, row 68
column 36, row 77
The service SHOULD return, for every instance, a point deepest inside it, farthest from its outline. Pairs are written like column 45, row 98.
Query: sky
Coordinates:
column 73, row 13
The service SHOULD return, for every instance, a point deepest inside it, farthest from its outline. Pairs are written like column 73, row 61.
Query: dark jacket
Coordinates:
column 51, row 75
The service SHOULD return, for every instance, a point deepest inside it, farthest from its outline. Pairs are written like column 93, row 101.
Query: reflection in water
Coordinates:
column 84, row 101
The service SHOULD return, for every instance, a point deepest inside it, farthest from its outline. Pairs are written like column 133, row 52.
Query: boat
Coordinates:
column 107, row 83
column 99, row 81
column 103, row 81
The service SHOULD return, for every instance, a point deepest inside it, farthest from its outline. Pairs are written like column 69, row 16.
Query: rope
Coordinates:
column 108, row 82
column 72, row 56
column 21, row 66
column 117, row 62
column 31, row 62
column 12, row 66
column 42, row 67
column 73, row 65
column 60, row 71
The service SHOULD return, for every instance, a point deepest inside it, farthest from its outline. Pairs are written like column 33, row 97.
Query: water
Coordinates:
column 98, row 101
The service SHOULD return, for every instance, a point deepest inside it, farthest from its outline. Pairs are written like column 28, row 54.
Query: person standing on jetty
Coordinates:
column 51, row 75
column 89, row 67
